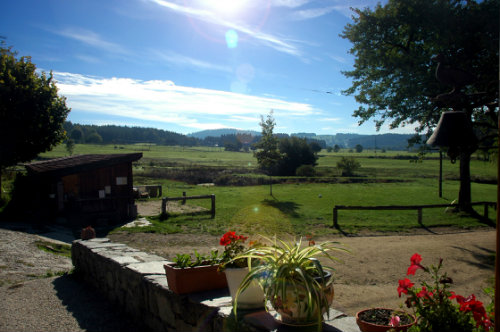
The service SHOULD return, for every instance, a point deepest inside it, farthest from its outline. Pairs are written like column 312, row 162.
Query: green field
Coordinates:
column 385, row 178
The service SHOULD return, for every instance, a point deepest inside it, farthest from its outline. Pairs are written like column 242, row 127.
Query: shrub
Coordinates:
column 306, row 170
column 348, row 165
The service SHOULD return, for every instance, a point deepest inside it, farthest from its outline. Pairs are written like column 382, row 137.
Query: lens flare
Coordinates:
column 232, row 39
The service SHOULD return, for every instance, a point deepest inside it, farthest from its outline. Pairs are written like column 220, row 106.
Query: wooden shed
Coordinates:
column 87, row 188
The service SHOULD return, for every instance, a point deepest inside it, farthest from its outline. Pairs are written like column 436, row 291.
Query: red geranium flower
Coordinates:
column 424, row 293
column 404, row 285
column 415, row 264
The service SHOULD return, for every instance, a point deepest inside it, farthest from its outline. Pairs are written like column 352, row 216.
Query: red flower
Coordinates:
column 404, row 285
column 424, row 293
column 415, row 264
column 470, row 304
column 229, row 237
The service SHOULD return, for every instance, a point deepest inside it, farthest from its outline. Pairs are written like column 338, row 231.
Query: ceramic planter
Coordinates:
column 365, row 326
column 194, row 279
column 252, row 297
column 296, row 312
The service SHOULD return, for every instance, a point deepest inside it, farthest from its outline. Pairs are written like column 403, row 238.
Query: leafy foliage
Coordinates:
column 348, row 165
column 433, row 303
column 282, row 266
column 268, row 156
column 295, row 152
column 393, row 45
column 31, row 112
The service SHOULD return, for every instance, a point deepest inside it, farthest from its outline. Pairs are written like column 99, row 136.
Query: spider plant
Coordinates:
column 294, row 281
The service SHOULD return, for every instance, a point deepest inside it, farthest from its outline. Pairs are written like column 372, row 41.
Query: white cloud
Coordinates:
column 91, row 38
column 331, row 119
column 268, row 40
column 289, row 3
column 307, row 14
column 181, row 60
column 165, row 102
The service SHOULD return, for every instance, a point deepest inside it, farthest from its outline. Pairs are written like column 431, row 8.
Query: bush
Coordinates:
column 348, row 165
column 306, row 170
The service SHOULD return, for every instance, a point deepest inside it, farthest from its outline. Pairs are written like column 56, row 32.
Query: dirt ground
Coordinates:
column 368, row 275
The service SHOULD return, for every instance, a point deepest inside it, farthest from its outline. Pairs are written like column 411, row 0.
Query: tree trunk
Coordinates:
column 270, row 185
column 464, row 193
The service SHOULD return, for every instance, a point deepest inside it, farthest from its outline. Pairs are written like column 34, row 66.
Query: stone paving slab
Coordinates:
column 154, row 267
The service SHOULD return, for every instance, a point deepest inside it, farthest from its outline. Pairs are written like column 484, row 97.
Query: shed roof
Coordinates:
column 79, row 163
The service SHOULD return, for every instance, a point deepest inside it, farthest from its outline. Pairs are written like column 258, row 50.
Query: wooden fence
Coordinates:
column 164, row 201
column 419, row 209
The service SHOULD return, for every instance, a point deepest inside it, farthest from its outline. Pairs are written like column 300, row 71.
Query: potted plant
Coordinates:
column 434, row 304
column 188, row 275
column 383, row 319
column 294, row 281
column 236, row 270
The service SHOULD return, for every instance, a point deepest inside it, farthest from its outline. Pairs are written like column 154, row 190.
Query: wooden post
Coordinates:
column 485, row 210
column 335, row 217
column 420, row 216
column 183, row 195
column 212, row 210
column 440, row 173
column 159, row 191
column 164, row 205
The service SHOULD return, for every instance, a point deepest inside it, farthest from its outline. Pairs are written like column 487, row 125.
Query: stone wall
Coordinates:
column 136, row 282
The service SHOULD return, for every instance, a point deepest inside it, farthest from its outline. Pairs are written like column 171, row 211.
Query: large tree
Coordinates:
column 31, row 112
column 394, row 76
column 295, row 153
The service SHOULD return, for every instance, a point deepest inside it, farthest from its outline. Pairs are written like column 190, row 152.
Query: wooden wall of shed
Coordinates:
column 86, row 185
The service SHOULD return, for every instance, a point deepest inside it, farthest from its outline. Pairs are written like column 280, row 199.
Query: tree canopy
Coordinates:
column 295, row 153
column 396, row 79
column 267, row 154
column 393, row 75
column 31, row 112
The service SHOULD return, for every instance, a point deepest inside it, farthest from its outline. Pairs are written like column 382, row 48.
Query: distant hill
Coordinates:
column 347, row 141
column 221, row 132
column 380, row 141
column 111, row 134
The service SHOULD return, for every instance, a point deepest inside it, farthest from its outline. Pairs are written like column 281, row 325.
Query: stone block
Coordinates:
column 151, row 267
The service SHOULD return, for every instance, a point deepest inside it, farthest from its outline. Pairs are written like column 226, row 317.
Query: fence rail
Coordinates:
column 184, row 198
column 419, row 209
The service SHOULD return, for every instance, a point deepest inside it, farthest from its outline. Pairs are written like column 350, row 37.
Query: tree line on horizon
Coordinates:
column 238, row 141
column 113, row 134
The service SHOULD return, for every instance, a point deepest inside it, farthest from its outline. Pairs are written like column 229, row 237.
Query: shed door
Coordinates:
column 60, row 195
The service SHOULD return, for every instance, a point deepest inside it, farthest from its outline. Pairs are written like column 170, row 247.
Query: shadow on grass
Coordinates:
column 288, row 208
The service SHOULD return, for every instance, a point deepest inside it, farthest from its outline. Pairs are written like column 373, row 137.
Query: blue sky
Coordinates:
column 190, row 65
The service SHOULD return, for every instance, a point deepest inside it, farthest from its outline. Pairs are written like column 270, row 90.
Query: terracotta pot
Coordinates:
column 250, row 298
column 295, row 312
column 371, row 327
column 194, row 279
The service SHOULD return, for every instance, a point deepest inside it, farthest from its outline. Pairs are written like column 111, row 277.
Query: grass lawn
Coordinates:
column 302, row 208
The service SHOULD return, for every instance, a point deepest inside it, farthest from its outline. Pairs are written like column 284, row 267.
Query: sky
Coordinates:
column 192, row 65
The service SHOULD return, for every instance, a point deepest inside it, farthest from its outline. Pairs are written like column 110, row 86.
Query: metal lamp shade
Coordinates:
column 453, row 130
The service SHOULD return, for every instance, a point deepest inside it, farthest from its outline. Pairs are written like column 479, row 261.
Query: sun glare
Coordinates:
column 225, row 7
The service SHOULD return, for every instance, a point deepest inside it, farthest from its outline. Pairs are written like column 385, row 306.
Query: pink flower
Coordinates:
column 395, row 320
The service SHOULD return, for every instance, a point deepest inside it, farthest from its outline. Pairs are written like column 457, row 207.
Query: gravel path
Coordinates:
column 31, row 301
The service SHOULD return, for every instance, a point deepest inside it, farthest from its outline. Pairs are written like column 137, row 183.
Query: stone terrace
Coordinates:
column 136, row 281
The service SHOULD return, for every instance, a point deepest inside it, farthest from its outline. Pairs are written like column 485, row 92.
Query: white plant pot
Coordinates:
column 252, row 297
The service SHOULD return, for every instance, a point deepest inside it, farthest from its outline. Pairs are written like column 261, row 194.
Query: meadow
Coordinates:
column 302, row 206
